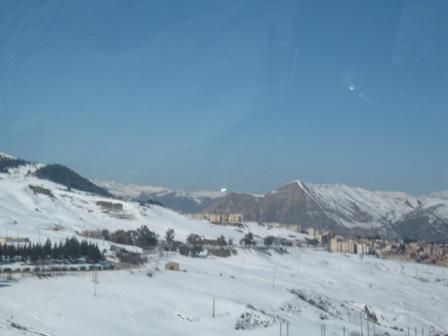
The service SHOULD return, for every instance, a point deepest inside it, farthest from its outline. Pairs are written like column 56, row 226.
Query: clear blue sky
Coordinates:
column 246, row 94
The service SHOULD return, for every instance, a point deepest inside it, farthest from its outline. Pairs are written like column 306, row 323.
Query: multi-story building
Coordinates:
column 339, row 244
column 225, row 219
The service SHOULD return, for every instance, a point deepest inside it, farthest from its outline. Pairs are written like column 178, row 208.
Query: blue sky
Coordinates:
column 244, row 94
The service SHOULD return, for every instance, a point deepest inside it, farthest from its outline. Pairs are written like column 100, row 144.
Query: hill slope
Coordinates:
column 8, row 161
column 38, row 208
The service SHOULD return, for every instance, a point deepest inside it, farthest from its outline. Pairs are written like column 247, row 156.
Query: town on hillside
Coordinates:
column 407, row 250
column 196, row 245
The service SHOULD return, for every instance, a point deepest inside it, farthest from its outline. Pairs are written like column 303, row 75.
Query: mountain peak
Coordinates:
column 300, row 183
column 294, row 184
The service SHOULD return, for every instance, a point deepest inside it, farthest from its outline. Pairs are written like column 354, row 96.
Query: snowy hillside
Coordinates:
column 6, row 156
column 32, row 207
column 253, row 291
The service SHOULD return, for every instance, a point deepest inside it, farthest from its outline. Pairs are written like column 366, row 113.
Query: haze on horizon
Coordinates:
column 247, row 95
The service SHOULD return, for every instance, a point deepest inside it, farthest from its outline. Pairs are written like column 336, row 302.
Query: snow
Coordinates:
column 7, row 156
column 180, row 303
column 127, row 190
column 25, row 214
column 440, row 206
column 346, row 204
column 132, row 191
column 256, row 288
column 440, row 195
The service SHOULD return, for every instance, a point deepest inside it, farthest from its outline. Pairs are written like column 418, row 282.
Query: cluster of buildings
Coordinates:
column 222, row 219
column 321, row 237
column 291, row 227
column 419, row 251
column 339, row 244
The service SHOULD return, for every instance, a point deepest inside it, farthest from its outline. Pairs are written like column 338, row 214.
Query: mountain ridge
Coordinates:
column 337, row 207
column 341, row 208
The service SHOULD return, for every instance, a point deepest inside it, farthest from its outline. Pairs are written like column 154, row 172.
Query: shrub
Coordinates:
column 131, row 258
column 195, row 244
column 269, row 240
column 248, row 239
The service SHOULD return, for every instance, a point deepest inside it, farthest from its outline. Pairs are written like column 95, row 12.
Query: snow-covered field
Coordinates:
column 306, row 288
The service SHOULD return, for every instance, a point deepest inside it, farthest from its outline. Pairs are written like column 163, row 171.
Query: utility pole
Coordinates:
column 213, row 309
column 95, row 281
column 323, row 330
column 273, row 278
column 360, row 316
column 287, row 328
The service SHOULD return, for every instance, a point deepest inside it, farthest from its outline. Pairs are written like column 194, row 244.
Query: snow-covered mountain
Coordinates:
column 338, row 207
column 179, row 200
column 345, row 210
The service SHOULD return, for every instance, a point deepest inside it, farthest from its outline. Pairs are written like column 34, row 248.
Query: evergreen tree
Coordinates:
column 169, row 236
column 47, row 249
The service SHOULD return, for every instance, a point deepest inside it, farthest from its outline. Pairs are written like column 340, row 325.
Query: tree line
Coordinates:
column 142, row 237
column 71, row 249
